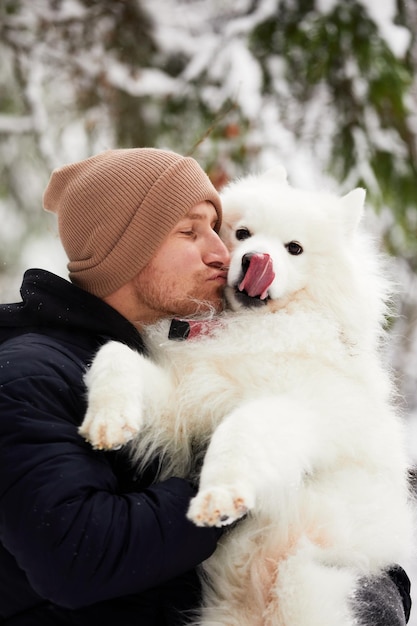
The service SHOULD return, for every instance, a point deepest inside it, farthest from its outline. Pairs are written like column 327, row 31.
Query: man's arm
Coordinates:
column 76, row 536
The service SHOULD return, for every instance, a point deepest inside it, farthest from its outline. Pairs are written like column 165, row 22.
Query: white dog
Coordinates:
column 287, row 396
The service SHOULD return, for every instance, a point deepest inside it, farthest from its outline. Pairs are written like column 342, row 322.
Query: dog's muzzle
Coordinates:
column 256, row 277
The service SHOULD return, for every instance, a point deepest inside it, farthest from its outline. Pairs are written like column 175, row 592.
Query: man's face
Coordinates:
column 187, row 275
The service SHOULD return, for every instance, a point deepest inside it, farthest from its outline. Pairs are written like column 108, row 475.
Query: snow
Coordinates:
column 15, row 124
column 382, row 13
column 147, row 82
column 240, row 77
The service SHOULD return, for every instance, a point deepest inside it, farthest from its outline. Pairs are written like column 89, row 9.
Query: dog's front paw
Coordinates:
column 110, row 425
column 219, row 506
column 115, row 404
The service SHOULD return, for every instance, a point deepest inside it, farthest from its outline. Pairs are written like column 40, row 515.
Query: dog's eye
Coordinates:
column 294, row 248
column 242, row 233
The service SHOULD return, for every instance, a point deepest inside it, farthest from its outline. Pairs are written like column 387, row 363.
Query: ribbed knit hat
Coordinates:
column 115, row 209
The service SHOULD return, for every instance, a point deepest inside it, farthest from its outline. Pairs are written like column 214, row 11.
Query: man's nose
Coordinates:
column 217, row 252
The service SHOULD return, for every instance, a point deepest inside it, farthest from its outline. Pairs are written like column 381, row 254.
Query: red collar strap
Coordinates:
column 180, row 330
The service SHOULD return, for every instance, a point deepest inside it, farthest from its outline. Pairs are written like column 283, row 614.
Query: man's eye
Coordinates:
column 242, row 233
column 294, row 248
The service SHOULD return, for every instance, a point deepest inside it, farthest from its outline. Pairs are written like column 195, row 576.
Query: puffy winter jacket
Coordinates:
column 82, row 541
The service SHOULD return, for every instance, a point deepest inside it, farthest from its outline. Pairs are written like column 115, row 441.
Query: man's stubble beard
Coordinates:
column 162, row 298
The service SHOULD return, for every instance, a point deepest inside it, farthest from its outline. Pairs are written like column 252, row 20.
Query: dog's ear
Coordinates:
column 353, row 205
column 277, row 174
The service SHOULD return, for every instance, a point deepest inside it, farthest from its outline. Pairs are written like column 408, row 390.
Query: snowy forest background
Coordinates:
column 326, row 87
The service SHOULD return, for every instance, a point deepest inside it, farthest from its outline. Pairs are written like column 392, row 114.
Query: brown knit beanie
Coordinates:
column 115, row 209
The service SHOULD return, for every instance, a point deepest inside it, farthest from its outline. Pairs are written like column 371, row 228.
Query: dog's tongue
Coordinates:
column 258, row 276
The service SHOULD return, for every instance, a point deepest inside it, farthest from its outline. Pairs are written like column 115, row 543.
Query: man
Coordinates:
column 84, row 540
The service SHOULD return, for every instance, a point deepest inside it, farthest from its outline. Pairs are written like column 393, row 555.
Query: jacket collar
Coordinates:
column 53, row 305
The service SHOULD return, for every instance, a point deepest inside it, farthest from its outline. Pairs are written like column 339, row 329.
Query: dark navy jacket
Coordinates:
column 81, row 540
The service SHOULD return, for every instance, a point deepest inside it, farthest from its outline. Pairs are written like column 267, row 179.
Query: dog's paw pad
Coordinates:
column 108, row 433
column 219, row 506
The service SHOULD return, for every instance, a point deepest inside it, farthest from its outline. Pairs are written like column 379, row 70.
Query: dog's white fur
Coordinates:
column 295, row 407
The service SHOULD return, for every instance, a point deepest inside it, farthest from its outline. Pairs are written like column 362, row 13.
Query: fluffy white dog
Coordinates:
column 286, row 395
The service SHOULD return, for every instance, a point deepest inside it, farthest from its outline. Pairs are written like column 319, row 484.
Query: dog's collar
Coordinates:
column 180, row 330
